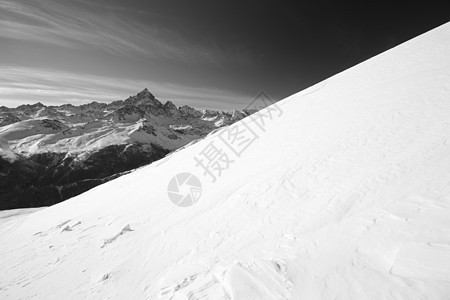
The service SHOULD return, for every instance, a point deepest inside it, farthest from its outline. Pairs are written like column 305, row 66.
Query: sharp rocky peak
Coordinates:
column 143, row 98
column 145, row 94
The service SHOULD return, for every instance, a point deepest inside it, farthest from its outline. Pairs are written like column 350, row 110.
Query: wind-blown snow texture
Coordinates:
column 344, row 196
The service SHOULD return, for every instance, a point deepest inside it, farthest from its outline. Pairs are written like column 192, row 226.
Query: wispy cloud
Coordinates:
column 19, row 85
column 94, row 28
column 73, row 24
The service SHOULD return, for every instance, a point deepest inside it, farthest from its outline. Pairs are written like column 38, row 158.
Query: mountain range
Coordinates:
column 51, row 153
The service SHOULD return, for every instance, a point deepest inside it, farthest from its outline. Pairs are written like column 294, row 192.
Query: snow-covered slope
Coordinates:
column 345, row 194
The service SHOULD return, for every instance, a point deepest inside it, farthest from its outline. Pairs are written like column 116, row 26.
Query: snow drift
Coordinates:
column 344, row 194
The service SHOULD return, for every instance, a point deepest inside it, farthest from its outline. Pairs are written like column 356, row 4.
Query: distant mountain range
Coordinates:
column 51, row 153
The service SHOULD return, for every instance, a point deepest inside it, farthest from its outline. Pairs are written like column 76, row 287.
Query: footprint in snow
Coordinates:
column 105, row 277
column 60, row 225
column 67, row 228
column 70, row 228
column 127, row 228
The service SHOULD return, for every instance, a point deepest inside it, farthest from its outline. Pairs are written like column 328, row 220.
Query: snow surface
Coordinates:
column 346, row 195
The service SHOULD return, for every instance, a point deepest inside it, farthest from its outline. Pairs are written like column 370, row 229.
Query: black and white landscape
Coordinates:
column 340, row 190
column 353, row 202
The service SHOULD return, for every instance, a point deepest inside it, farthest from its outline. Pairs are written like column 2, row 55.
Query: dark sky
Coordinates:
column 209, row 54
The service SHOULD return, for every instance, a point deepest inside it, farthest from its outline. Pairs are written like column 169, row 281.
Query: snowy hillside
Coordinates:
column 342, row 193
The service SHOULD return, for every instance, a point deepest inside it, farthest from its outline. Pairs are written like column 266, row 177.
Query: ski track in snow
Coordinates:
column 344, row 196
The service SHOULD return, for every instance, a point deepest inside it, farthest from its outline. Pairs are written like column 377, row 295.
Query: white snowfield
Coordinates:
column 346, row 195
